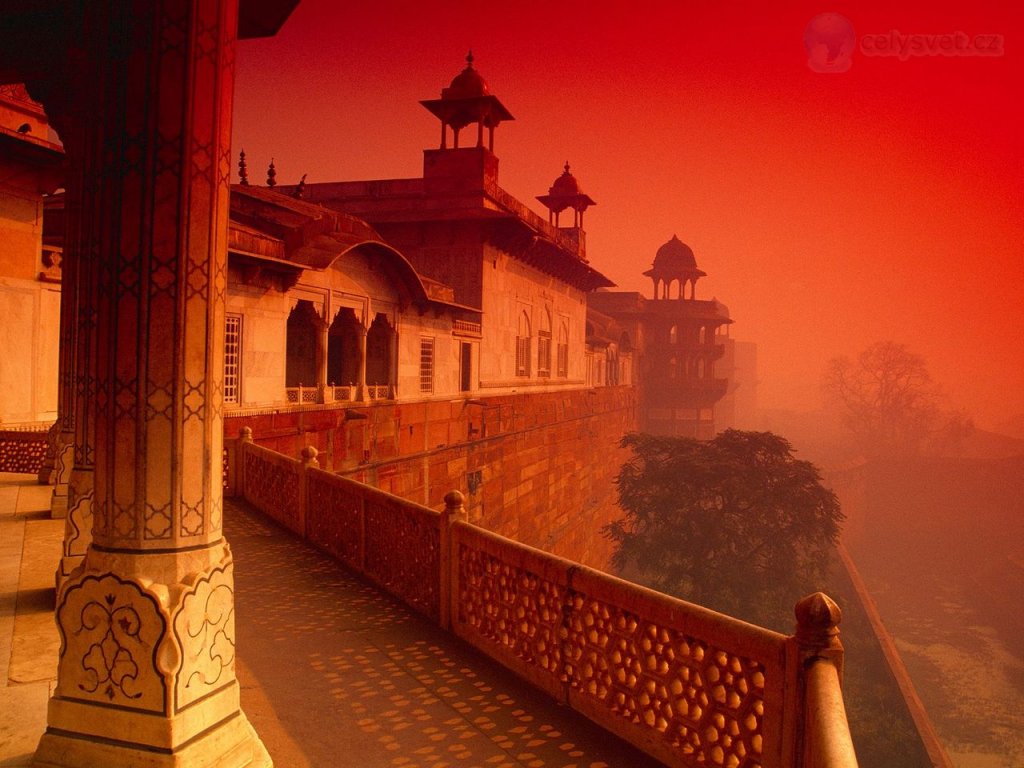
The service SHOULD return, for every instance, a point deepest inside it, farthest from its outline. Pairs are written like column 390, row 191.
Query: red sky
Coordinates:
column 830, row 210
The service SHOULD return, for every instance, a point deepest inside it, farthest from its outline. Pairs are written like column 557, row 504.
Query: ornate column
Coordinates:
column 78, row 345
column 64, row 440
column 363, row 395
column 146, row 670
column 322, row 329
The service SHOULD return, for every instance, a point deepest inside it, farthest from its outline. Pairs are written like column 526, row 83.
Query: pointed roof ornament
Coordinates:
column 465, row 101
column 271, row 174
column 243, row 171
column 564, row 193
column 300, row 187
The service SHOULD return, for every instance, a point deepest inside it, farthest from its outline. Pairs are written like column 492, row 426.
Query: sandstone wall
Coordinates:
column 538, row 468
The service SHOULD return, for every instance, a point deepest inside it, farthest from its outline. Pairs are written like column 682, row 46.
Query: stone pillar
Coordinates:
column 64, row 444
column 79, row 343
column 322, row 330
column 363, row 395
column 146, row 672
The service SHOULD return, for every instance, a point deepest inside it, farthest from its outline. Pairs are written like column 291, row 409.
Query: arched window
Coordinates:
column 379, row 361
column 672, row 367
column 300, row 341
column 523, row 345
column 673, row 335
column 544, row 344
column 343, row 349
column 563, row 349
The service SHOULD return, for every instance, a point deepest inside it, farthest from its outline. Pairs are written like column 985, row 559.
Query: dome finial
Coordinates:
column 469, row 59
column 567, row 166
column 271, row 174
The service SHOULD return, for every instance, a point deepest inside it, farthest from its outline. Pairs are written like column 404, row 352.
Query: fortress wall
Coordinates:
column 538, row 468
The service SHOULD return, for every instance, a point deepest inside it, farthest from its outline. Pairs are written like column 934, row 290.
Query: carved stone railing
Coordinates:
column 395, row 543
column 689, row 686
column 466, row 326
column 378, row 391
column 301, row 394
column 344, row 394
column 22, row 449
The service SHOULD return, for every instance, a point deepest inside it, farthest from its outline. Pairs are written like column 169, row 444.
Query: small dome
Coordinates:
column 674, row 256
column 566, row 185
column 468, row 84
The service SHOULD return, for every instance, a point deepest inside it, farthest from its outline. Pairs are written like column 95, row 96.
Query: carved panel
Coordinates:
column 403, row 552
column 204, row 627
column 22, row 451
column 512, row 607
column 272, row 484
column 333, row 517
column 110, row 630
column 706, row 702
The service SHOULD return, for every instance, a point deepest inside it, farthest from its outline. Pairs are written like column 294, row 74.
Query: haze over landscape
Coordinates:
column 830, row 210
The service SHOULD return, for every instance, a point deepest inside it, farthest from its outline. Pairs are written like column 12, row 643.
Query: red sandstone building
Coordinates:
column 433, row 333
column 681, row 339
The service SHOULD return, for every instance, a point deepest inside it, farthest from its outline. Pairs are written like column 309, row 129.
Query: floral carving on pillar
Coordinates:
column 204, row 627
column 110, row 632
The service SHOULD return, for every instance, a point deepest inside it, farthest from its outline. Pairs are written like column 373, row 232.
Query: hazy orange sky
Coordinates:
column 830, row 210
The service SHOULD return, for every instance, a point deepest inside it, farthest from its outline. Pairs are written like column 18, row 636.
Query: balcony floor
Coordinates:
column 333, row 672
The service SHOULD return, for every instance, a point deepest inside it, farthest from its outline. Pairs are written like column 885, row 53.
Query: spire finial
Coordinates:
column 469, row 59
column 271, row 174
column 243, row 171
column 567, row 166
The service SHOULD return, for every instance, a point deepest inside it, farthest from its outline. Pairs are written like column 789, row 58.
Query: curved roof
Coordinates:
column 274, row 227
column 675, row 256
column 468, row 84
column 566, row 185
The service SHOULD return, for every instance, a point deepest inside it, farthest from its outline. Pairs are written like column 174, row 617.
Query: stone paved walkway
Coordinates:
column 333, row 672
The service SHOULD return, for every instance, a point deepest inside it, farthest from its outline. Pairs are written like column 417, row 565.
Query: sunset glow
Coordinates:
column 829, row 209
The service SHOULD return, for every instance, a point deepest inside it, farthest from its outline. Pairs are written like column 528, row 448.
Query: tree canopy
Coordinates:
column 885, row 398
column 736, row 523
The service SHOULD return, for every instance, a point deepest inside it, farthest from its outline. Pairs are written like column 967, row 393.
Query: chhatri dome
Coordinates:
column 468, row 84
column 566, row 192
column 466, row 101
column 674, row 262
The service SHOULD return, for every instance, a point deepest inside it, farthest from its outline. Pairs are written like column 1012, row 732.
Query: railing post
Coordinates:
column 817, row 630
column 309, row 461
column 823, row 727
column 244, row 438
column 454, row 510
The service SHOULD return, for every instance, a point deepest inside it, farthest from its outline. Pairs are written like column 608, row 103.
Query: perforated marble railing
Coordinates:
column 23, row 449
column 687, row 685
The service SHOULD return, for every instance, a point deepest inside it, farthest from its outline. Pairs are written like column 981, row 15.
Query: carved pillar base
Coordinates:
column 45, row 475
column 77, row 523
column 146, row 675
column 64, row 460
column 233, row 744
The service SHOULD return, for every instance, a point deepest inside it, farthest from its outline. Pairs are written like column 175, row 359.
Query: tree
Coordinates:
column 885, row 398
column 737, row 523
